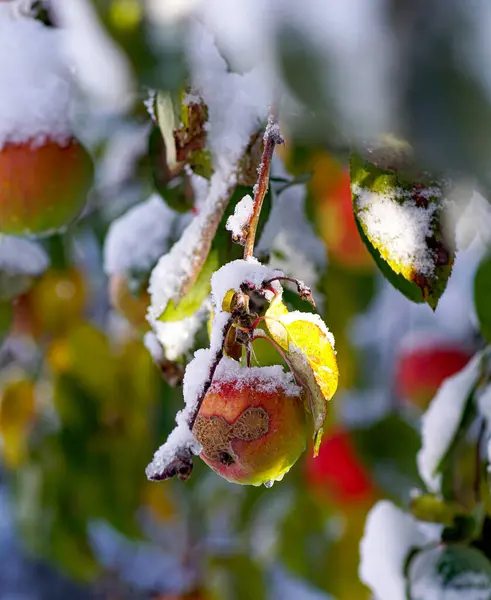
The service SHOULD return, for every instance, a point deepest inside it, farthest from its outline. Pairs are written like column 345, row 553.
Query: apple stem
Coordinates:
column 272, row 136
column 303, row 290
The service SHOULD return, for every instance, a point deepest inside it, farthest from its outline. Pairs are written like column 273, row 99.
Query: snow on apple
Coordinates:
column 47, row 173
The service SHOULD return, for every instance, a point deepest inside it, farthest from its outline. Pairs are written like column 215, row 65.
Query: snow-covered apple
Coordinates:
column 252, row 424
column 45, row 173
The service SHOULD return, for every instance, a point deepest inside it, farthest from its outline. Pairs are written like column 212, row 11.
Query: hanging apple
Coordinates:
column 45, row 173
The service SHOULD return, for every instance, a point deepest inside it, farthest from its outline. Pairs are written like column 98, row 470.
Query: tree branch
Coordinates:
column 272, row 136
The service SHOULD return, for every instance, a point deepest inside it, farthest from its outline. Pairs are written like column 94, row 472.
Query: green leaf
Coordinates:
column 455, row 571
column 5, row 319
column 309, row 348
column 390, row 198
column 482, row 297
column 193, row 300
column 389, row 449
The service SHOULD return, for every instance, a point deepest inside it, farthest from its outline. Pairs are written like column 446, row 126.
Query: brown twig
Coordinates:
column 271, row 137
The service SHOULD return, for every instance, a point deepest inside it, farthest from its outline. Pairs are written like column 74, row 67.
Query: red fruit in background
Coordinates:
column 421, row 370
column 253, row 430
column 42, row 188
column 338, row 473
column 334, row 215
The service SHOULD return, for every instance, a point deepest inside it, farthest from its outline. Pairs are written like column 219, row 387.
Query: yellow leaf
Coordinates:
column 309, row 347
column 17, row 411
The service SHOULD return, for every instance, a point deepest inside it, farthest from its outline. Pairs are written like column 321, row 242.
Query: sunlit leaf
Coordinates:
column 309, row 347
column 17, row 409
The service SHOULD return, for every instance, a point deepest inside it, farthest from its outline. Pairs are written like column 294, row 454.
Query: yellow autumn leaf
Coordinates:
column 17, row 411
column 309, row 347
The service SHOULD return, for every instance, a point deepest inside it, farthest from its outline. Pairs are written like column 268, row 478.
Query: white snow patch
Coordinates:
column 37, row 90
column 136, row 240
column 177, row 337
column 390, row 535
column 232, row 275
column 263, row 379
column 178, row 265
column 237, row 104
column 400, row 228
column 195, row 377
column 242, row 214
column 154, row 347
column 22, row 257
column 441, row 421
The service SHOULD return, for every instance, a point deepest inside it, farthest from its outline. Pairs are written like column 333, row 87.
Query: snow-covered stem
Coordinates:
column 272, row 136
column 182, row 463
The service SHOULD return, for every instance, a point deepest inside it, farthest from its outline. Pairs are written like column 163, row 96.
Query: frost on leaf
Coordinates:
column 442, row 422
column 455, row 571
column 400, row 218
column 309, row 347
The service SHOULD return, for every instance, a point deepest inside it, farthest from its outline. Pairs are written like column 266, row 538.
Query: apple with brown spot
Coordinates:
column 252, row 427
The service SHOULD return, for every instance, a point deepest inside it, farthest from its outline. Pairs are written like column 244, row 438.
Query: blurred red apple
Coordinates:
column 42, row 188
column 337, row 472
column 421, row 370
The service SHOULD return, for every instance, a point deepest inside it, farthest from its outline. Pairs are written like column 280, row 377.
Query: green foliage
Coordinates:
column 482, row 297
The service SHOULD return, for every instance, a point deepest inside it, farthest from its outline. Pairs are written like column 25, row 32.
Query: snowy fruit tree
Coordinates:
column 235, row 179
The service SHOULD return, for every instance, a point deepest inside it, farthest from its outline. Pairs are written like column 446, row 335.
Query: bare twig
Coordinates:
column 272, row 137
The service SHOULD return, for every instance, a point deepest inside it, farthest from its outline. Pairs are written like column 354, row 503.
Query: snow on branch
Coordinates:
column 175, row 457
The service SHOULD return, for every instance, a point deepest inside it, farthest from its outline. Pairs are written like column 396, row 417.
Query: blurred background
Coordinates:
column 88, row 392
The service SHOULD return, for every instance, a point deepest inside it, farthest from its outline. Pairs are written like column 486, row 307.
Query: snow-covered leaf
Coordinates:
column 390, row 537
column 400, row 216
column 447, row 419
column 309, row 346
column 449, row 573
column 195, row 297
